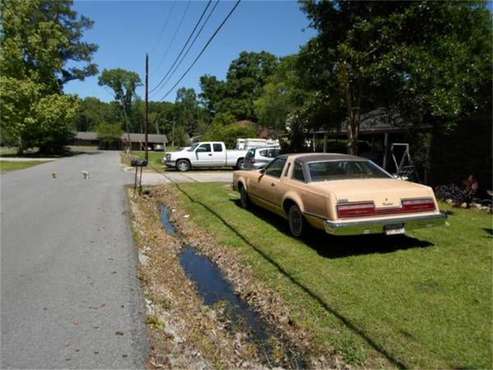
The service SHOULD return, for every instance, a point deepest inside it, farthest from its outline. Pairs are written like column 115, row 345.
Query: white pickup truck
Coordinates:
column 205, row 154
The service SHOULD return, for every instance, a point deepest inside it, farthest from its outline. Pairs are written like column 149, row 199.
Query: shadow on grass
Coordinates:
column 312, row 293
column 343, row 246
column 489, row 231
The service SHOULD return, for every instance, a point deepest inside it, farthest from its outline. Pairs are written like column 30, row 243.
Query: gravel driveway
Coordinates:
column 70, row 297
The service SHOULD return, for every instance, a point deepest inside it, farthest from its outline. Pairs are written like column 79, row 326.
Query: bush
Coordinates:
column 33, row 119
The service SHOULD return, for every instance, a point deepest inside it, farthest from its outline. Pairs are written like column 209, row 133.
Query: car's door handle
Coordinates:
column 272, row 184
column 210, row 154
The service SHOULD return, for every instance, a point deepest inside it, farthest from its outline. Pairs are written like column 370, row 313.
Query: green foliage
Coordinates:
column 228, row 133
column 54, row 126
column 39, row 40
column 187, row 110
column 109, row 134
column 244, row 83
column 429, row 60
column 223, row 119
column 123, row 83
column 32, row 119
column 93, row 112
column 281, row 96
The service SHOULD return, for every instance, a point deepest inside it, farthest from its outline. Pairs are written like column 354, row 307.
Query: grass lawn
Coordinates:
column 12, row 166
column 7, row 150
column 154, row 159
column 423, row 300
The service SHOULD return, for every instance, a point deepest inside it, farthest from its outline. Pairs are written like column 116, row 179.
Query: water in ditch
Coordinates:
column 215, row 289
column 167, row 224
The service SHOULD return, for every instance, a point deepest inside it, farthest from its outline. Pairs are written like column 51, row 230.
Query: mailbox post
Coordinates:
column 138, row 164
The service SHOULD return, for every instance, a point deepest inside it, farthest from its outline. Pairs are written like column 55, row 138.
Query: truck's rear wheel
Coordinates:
column 183, row 165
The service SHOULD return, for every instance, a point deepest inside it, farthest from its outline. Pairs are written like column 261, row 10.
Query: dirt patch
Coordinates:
column 217, row 344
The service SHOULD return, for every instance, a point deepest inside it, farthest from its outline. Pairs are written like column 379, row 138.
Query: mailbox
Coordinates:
column 138, row 163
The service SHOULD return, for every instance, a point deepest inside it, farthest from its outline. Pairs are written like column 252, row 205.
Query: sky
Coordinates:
column 126, row 30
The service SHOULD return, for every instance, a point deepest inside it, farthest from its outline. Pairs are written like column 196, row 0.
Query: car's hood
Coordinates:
column 384, row 192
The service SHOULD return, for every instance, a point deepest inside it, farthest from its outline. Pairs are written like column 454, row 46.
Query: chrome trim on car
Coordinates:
column 378, row 226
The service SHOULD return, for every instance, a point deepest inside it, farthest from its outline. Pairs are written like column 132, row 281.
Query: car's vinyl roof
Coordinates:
column 314, row 157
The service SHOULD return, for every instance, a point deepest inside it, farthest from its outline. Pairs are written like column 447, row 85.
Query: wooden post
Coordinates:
column 385, row 149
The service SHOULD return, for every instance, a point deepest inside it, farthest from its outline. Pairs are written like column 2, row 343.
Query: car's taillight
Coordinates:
column 362, row 209
column 418, row 205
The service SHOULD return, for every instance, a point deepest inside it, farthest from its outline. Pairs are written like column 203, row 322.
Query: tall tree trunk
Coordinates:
column 353, row 122
column 352, row 110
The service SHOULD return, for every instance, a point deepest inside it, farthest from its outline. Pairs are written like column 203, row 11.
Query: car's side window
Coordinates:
column 298, row 172
column 275, row 167
column 217, row 147
column 204, row 148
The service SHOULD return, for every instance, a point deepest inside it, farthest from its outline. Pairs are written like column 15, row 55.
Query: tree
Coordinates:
column 40, row 40
column 281, row 96
column 370, row 54
column 244, row 82
column 123, row 83
column 109, row 135
column 213, row 91
column 186, row 110
column 93, row 111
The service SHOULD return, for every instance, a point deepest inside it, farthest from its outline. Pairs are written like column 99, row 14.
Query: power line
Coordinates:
column 184, row 46
column 203, row 49
column 191, row 44
column 165, row 26
column 174, row 36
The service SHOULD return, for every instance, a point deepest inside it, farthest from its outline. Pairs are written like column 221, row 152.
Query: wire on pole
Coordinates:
column 203, row 49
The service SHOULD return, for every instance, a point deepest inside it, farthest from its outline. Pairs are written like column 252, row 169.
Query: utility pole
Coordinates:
column 147, row 106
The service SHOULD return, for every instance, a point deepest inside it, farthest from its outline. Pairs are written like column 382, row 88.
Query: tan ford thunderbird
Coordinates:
column 338, row 193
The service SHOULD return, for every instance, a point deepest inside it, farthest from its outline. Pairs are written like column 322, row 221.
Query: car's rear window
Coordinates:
column 338, row 170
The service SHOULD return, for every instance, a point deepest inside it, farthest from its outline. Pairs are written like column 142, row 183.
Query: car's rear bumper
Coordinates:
column 379, row 226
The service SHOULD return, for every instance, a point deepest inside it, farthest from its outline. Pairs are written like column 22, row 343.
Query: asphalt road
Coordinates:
column 70, row 296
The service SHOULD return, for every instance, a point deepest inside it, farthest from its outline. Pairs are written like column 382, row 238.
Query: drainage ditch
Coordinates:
column 216, row 290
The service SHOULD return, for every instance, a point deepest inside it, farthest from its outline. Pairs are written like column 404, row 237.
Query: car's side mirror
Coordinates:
column 262, row 171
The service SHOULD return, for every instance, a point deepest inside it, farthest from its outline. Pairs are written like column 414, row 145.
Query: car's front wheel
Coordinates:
column 183, row 165
column 297, row 223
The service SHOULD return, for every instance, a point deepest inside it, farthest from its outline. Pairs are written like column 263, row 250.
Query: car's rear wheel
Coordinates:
column 183, row 165
column 245, row 202
column 297, row 223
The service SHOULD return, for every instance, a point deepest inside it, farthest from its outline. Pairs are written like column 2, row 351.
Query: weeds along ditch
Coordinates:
column 217, row 292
